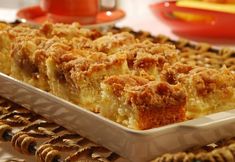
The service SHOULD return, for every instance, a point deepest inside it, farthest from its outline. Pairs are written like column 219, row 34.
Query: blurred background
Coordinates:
column 138, row 14
column 139, row 17
column 17, row 3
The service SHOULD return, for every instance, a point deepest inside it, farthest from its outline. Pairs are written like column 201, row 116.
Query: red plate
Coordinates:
column 207, row 23
column 35, row 15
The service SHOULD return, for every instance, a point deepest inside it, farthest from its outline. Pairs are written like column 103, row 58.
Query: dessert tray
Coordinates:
column 134, row 145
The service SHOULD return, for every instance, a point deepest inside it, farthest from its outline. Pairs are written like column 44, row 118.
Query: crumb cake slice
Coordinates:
column 82, row 75
column 137, row 103
column 147, row 59
column 208, row 90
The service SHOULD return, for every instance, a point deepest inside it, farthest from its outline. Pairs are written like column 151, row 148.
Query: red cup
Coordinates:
column 66, row 11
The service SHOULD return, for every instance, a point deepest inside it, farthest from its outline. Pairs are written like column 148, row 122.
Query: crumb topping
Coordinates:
column 156, row 95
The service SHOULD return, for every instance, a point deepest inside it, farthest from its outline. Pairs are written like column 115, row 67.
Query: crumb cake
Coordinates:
column 208, row 90
column 135, row 82
column 141, row 104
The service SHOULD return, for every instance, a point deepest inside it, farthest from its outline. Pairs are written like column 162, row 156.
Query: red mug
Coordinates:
column 67, row 11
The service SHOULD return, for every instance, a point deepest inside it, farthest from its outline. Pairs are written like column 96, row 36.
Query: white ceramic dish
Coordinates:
column 138, row 146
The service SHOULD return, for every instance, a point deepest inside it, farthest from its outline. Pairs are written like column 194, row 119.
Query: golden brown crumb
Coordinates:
column 68, row 31
column 156, row 95
column 208, row 90
column 146, row 54
column 4, row 26
column 157, row 104
column 80, row 66
column 109, row 42
column 118, row 83
column 171, row 73
column 207, row 81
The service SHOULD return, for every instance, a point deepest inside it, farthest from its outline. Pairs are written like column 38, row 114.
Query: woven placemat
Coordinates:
column 31, row 134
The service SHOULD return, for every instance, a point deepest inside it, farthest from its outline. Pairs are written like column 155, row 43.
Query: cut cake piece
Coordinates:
column 208, row 90
column 139, row 104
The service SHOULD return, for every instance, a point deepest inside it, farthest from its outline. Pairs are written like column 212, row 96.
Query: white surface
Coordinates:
column 139, row 17
column 7, row 14
column 16, row 3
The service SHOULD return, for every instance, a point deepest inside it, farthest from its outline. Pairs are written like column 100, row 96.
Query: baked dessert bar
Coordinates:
column 141, row 104
column 208, row 90
column 135, row 82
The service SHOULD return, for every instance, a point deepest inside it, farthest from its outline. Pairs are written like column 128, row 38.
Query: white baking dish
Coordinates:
column 138, row 146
